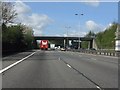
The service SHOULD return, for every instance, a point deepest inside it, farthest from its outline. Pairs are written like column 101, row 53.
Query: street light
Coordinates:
column 79, row 27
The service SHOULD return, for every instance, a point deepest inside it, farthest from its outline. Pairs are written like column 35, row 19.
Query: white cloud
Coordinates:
column 65, row 35
column 108, row 26
column 91, row 25
column 82, row 30
column 76, row 33
column 94, row 3
column 21, row 8
column 57, row 35
column 37, row 21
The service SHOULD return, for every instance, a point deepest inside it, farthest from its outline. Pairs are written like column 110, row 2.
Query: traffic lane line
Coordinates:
column 10, row 66
column 97, row 86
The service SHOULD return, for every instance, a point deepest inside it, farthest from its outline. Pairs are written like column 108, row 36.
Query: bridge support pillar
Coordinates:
column 94, row 45
column 64, row 43
column 90, row 44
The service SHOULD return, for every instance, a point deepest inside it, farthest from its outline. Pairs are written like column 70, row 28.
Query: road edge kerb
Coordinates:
column 12, row 65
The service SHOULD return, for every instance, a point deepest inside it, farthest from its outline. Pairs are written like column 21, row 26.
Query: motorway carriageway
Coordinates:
column 59, row 69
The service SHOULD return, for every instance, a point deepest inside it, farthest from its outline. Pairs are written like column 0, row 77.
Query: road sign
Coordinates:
column 117, row 45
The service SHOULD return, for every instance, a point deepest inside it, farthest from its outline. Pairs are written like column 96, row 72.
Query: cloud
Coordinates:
column 82, row 30
column 57, row 35
column 94, row 3
column 21, row 8
column 91, row 25
column 75, row 33
column 37, row 21
column 108, row 26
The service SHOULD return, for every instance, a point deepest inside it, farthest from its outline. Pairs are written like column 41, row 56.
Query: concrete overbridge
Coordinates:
column 65, row 41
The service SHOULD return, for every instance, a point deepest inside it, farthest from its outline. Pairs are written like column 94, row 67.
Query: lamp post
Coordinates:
column 79, row 42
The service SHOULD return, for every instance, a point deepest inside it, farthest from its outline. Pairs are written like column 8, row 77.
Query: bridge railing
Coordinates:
column 97, row 52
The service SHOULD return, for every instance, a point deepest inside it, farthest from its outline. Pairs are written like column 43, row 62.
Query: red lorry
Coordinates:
column 44, row 44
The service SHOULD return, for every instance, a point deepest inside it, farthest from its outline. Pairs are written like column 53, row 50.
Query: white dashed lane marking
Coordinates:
column 69, row 66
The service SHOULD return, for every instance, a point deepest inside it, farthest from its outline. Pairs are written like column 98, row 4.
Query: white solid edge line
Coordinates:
column 10, row 66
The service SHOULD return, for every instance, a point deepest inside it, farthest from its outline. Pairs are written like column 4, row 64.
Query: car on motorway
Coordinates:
column 63, row 49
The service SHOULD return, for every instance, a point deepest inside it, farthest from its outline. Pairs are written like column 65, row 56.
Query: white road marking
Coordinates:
column 80, row 55
column 59, row 58
column 10, row 66
column 69, row 66
column 93, row 59
column 98, row 87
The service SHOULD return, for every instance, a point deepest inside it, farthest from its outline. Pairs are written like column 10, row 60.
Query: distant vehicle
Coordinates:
column 58, row 47
column 62, row 49
column 44, row 45
column 52, row 46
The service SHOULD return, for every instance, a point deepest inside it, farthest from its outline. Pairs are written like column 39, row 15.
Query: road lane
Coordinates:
column 109, row 59
column 44, row 70
column 100, row 70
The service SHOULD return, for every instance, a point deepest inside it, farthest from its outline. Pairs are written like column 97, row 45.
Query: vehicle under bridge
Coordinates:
column 74, row 42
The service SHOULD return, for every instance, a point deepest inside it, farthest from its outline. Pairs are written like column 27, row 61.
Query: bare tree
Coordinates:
column 8, row 12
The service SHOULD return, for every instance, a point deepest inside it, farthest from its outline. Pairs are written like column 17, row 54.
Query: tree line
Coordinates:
column 16, row 37
column 104, row 39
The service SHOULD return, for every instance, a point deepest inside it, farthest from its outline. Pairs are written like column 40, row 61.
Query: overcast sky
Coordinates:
column 59, row 19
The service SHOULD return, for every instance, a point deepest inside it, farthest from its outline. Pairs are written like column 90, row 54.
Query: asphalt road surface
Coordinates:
column 60, row 69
